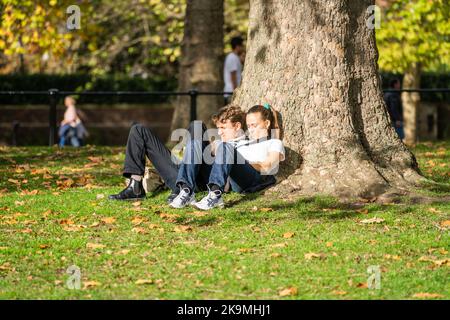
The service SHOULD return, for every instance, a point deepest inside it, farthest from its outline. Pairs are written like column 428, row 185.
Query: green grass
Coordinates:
column 241, row 252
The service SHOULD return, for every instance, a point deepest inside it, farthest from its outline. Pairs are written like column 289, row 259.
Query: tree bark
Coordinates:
column 411, row 101
column 316, row 63
column 201, row 60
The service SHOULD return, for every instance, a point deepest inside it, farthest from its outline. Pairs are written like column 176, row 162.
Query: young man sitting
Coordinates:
column 230, row 122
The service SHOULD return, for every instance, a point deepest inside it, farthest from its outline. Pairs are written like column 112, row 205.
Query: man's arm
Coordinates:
column 234, row 81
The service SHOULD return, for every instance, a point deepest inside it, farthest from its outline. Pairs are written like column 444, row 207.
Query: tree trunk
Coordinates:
column 316, row 63
column 411, row 101
column 201, row 60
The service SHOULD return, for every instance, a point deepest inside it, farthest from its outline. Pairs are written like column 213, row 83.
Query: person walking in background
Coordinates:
column 232, row 72
column 394, row 107
column 72, row 129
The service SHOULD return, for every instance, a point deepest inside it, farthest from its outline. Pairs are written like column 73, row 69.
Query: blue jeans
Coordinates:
column 67, row 132
column 400, row 132
column 193, row 169
column 244, row 178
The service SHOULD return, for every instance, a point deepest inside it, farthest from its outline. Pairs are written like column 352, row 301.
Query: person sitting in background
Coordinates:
column 72, row 129
column 395, row 108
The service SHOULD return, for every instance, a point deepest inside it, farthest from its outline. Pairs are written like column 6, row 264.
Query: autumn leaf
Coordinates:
column 426, row 295
column 339, row 293
column 108, row 220
column 44, row 246
column 288, row 235
column 372, row 220
column 292, row 291
column 73, row 228
column 137, row 203
column 445, row 224
column 89, row 284
column 182, row 229
column 362, row 285
column 66, row 222
column 139, row 230
column 137, row 221
column 91, row 245
column 312, row 255
column 143, row 281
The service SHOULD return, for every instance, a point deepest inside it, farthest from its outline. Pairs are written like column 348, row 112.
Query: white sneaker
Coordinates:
column 212, row 200
column 183, row 199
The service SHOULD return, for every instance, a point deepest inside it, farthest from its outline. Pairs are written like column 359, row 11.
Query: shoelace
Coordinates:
column 211, row 200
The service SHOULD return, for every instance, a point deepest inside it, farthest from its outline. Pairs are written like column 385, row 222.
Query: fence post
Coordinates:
column 193, row 94
column 53, row 95
column 15, row 131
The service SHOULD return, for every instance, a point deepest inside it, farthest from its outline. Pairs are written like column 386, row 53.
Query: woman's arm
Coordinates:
column 273, row 160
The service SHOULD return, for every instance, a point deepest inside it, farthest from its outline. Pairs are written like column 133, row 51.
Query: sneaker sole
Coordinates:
column 220, row 206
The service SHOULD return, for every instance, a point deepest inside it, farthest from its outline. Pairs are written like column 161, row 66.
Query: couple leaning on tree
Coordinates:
column 246, row 163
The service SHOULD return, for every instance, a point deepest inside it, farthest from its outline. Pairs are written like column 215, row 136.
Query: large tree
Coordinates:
column 201, row 60
column 316, row 63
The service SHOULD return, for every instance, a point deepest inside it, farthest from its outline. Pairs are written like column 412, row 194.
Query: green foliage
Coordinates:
column 415, row 31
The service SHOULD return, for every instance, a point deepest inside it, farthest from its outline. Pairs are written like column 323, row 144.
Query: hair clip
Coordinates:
column 266, row 106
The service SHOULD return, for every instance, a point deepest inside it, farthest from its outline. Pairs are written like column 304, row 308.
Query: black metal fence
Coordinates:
column 55, row 94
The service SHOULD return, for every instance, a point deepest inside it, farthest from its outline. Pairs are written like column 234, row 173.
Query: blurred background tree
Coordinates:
column 414, row 38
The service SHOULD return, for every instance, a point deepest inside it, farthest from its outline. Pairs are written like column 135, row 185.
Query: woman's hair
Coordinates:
column 230, row 112
column 268, row 113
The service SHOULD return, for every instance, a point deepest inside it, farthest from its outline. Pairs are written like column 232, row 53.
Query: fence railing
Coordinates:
column 55, row 94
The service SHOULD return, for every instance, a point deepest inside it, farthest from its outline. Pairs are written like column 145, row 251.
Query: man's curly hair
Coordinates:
column 230, row 112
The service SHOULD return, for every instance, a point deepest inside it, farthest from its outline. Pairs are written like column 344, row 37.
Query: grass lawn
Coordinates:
column 54, row 214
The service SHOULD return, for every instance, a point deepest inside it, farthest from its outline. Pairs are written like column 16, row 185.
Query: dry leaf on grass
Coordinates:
column 426, row 295
column 292, row 291
column 372, row 220
column 288, row 235
column 182, row 229
column 91, row 245
column 313, row 255
column 89, row 284
column 143, row 281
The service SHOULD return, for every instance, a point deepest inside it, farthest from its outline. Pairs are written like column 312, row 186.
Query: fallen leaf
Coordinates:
column 445, row 224
column 89, row 284
column 182, row 229
column 100, row 196
column 288, row 235
column 109, row 220
column 137, row 221
column 362, row 285
column 312, row 255
column 427, row 295
column 372, row 220
column 139, row 230
column 137, row 203
column 44, row 246
column 292, row 291
column 143, row 281
column 91, row 245
column 339, row 293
